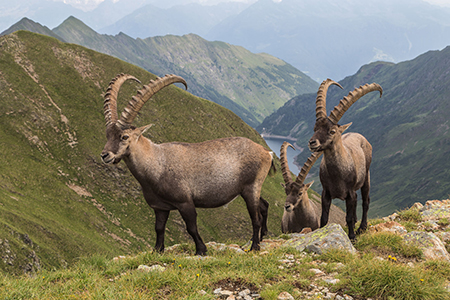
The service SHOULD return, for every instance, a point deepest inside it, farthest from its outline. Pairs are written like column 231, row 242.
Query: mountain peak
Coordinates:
column 30, row 25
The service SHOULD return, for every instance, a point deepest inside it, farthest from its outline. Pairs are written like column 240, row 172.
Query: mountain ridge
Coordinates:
column 251, row 85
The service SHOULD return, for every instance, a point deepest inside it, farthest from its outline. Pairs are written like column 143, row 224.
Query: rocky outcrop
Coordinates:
column 319, row 241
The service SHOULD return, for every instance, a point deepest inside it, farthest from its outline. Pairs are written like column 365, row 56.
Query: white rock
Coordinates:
column 285, row 296
column 154, row 268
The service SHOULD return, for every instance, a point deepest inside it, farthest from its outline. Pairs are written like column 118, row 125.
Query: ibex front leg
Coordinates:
column 326, row 204
column 189, row 215
column 161, row 217
column 365, row 205
column 350, row 202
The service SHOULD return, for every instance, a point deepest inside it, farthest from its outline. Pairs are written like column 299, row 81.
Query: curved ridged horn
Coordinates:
column 110, row 98
column 284, row 163
column 337, row 113
column 144, row 94
column 307, row 166
column 321, row 99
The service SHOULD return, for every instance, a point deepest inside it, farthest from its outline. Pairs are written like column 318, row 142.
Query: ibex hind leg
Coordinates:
column 264, row 209
column 254, row 206
column 365, row 206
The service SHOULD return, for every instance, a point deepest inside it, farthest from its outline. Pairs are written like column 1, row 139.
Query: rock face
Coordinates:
column 431, row 245
column 332, row 236
column 390, row 226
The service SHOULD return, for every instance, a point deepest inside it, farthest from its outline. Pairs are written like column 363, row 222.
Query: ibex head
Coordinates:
column 296, row 191
column 120, row 133
column 327, row 131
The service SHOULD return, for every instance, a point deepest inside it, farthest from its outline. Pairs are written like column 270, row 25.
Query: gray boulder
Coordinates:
column 332, row 236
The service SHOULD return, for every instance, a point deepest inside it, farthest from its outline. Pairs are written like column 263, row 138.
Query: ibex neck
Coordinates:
column 141, row 160
column 336, row 155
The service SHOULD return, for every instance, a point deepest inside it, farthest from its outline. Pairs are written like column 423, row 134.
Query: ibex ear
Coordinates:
column 344, row 127
column 308, row 185
column 144, row 129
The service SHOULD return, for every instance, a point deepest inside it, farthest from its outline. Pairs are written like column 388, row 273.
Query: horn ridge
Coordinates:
column 284, row 163
column 307, row 166
column 321, row 102
column 351, row 98
column 110, row 97
column 144, row 94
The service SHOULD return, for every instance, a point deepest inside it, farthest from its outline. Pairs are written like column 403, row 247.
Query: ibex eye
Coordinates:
column 332, row 131
column 125, row 137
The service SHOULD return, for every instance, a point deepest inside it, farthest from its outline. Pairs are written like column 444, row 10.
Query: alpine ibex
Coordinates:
column 346, row 161
column 299, row 211
column 183, row 176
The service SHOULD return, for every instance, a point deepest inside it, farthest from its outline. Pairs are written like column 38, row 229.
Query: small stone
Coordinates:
column 244, row 292
column 317, row 272
column 153, row 268
column 285, row 296
column 118, row 258
column 330, row 280
column 226, row 293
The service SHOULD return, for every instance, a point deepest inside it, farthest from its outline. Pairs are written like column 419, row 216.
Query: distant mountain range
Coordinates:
column 409, row 128
column 327, row 38
column 322, row 38
column 251, row 85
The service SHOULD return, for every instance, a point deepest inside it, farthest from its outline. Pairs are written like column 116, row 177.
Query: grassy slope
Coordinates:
column 54, row 188
column 408, row 127
column 385, row 267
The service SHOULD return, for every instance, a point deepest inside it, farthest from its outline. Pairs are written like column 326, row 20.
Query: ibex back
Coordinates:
column 183, row 176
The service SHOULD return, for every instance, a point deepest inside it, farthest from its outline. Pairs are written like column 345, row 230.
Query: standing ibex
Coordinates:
column 346, row 161
column 182, row 176
column 299, row 211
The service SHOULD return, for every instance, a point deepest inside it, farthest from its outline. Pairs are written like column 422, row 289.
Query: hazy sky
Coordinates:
column 92, row 3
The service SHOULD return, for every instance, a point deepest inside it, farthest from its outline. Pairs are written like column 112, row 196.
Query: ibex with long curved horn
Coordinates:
column 346, row 161
column 299, row 211
column 182, row 176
